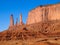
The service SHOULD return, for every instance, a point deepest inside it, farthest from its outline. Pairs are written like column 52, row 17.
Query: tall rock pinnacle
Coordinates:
column 17, row 22
column 21, row 22
column 11, row 20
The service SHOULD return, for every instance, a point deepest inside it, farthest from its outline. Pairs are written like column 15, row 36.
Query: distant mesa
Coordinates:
column 44, row 13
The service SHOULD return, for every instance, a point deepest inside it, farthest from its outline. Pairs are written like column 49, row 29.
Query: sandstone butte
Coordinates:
column 42, row 28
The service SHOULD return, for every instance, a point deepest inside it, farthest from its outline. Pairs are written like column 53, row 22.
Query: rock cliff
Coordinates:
column 44, row 13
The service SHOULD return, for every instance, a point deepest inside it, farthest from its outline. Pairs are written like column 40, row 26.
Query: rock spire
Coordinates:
column 21, row 22
column 11, row 20
column 16, row 21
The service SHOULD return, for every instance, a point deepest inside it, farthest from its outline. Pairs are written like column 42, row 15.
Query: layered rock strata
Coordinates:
column 44, row 13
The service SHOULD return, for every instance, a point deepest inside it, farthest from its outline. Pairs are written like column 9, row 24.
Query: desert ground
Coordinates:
column 40, row 41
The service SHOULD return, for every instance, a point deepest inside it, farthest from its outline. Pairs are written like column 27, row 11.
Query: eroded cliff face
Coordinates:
column 44, row 13
column 54, row 12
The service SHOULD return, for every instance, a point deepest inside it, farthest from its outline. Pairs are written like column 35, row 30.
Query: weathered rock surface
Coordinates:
column 21, row 21
column 11, row 21
column 44, row 13
column 33, row 31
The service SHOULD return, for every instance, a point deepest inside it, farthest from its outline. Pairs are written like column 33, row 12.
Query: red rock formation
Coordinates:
column 54, row 12
column 17, row 22
column 44, row 13
column 33, row 31
column 21, row 22
column 11, row 21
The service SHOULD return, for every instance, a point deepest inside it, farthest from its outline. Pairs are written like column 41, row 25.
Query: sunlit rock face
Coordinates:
column 35, row 16
column 44, row 13
column 21, row 21
column 11, row 21
column 54, row 12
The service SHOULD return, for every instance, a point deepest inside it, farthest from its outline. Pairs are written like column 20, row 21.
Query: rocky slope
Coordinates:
column 38, row 30
column 34, row 34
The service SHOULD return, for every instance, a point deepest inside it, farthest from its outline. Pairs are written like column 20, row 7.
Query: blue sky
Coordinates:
column 15, row 7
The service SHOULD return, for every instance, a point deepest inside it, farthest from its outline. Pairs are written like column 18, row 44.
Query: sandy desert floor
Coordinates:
column 41, row 41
